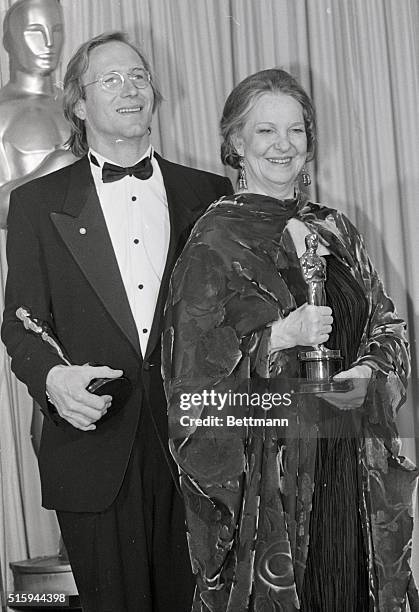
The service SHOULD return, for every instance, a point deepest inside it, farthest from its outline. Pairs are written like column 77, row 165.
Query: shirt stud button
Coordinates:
column 83, row 231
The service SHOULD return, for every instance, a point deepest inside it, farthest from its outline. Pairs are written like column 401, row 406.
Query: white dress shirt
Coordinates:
column 137, row 218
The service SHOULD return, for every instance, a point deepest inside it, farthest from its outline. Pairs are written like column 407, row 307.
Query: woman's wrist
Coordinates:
column 280, row 339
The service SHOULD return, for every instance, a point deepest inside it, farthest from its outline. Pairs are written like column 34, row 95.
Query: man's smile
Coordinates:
column 133, row 109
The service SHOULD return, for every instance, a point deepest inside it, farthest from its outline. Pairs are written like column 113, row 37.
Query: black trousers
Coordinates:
column 133, row 556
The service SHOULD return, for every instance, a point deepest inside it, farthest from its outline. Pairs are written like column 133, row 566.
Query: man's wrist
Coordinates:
column 48, row 381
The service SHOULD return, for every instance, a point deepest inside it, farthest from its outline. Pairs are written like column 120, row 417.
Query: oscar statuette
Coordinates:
column 119, row 388
column 319, row 364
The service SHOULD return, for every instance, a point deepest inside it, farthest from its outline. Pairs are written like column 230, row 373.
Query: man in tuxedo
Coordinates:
column 90, row 251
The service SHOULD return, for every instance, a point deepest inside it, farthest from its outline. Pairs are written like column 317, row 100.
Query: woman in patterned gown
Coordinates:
column 317, row 515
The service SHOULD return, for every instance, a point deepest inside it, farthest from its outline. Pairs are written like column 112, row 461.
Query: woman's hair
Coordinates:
column 74, row 90
column 244, row 96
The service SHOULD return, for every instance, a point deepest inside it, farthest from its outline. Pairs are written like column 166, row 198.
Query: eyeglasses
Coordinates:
column 114, row 81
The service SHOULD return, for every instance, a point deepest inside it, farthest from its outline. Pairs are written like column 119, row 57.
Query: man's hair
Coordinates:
column 74, row 90
column 243, row 98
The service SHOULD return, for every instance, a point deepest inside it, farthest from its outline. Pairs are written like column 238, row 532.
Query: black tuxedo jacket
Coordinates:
column 70, row 278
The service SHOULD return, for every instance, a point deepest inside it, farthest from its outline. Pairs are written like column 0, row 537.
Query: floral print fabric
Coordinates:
column 248, row 490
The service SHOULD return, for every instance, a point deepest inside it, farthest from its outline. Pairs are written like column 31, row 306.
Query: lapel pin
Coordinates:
column 83, row 231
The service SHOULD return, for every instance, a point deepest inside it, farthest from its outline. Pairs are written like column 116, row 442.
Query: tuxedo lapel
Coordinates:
column 178, row 192
column 82, row 228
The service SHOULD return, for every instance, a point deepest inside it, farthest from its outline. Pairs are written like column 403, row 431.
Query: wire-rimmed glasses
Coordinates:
column 114, row 80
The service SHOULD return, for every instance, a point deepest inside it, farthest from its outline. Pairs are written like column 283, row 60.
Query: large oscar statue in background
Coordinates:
column 32, row 126
column 33, row 132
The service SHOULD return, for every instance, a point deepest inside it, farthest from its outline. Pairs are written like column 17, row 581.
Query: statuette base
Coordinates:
column 317, row 369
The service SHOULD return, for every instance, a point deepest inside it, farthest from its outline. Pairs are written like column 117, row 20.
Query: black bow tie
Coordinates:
column 143, row 170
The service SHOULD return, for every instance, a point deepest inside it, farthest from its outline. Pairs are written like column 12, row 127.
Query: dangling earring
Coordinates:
column 305, row 177
column 242, row 175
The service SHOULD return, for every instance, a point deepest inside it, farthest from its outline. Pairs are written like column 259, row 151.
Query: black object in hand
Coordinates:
column 119, row 388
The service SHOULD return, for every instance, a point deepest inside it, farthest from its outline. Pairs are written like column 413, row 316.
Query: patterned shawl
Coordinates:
column 247, row 490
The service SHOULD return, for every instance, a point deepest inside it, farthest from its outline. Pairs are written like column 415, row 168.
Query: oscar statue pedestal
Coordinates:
column 50, row 574
column 317, row 368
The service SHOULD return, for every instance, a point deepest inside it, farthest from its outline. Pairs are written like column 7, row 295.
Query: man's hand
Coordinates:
column 348, row 400
column 66, row 387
